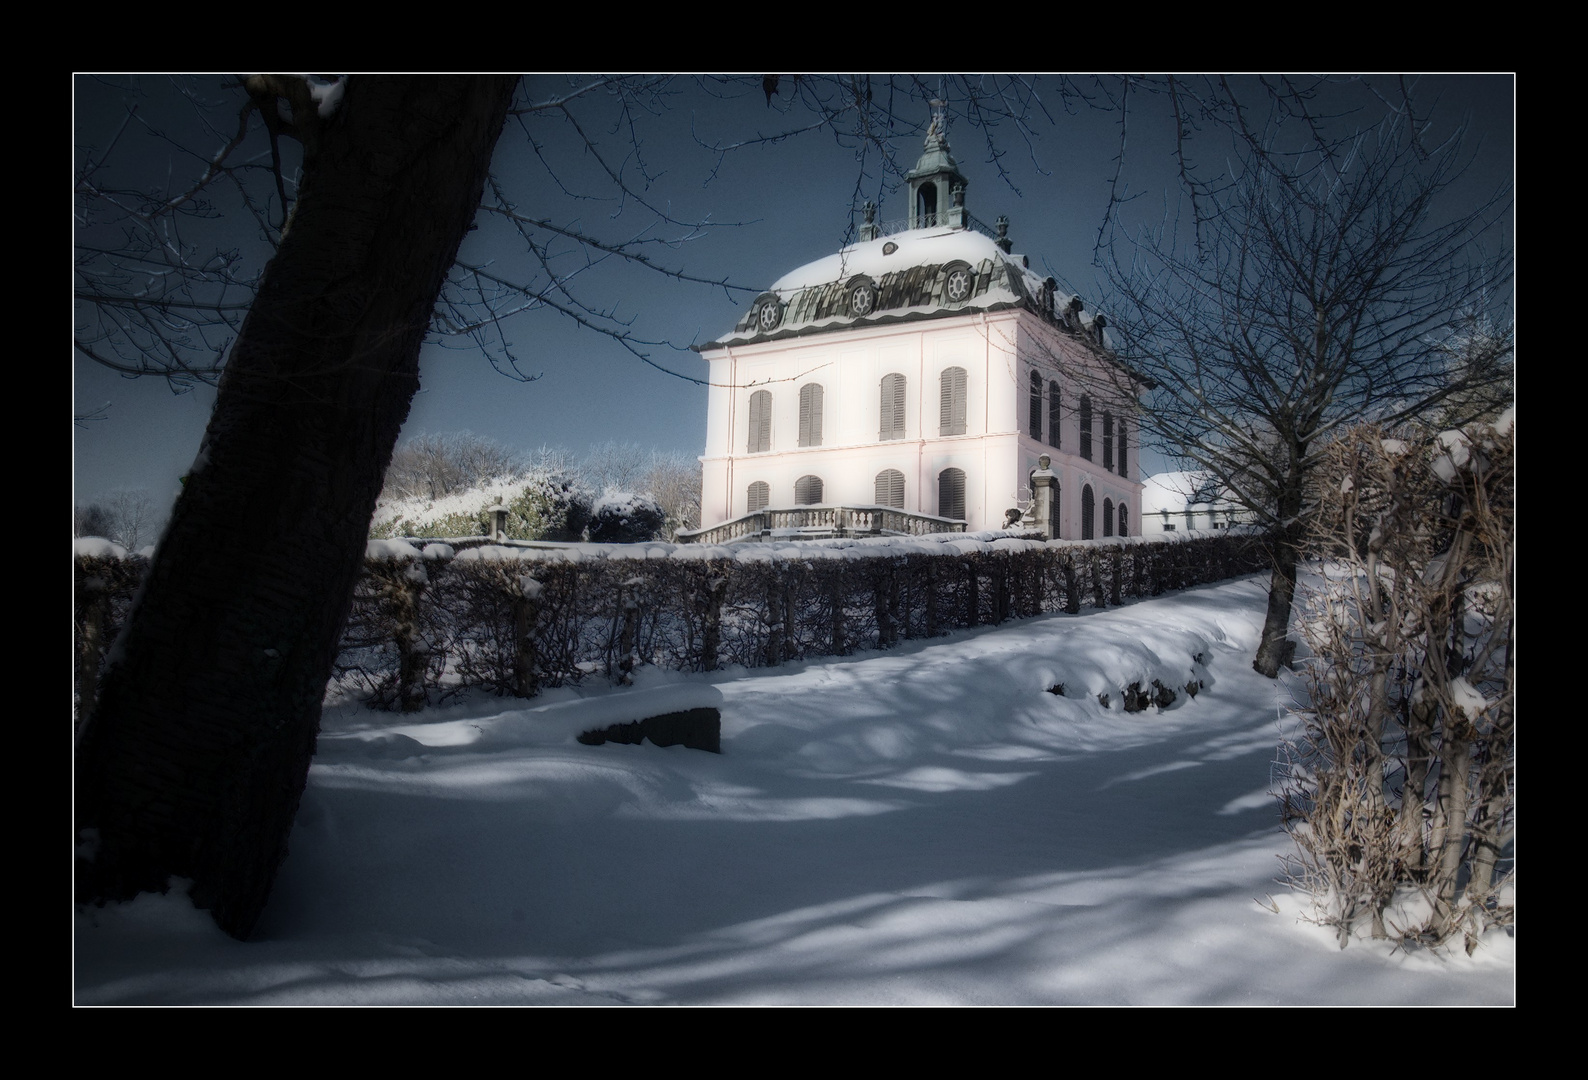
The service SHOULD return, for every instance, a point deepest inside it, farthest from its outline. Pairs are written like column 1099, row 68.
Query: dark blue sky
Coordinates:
column 770, row 208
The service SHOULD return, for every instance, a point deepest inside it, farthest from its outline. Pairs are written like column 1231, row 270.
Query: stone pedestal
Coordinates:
column 1045, row 498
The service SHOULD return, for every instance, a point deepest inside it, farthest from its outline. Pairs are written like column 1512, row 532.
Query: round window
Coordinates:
column 958, row 285
column 862, row 300
column 771, row 315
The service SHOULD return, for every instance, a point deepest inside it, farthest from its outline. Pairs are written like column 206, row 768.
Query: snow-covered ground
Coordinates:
column 924, row 826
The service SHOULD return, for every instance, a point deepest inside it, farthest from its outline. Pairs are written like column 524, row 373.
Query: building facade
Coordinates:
column 926, row 370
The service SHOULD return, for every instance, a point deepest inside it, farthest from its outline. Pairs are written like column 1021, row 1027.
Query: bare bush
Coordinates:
column 1400, row 794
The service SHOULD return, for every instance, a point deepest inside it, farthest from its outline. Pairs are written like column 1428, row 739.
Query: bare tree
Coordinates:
column 128, row 517
column 431, row 465
column 1318, row 283
column 673, row 480
column 93, row 519
column 135, row 517
column 614, row 466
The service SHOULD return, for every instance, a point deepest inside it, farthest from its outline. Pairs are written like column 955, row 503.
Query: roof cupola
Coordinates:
column 937, row 189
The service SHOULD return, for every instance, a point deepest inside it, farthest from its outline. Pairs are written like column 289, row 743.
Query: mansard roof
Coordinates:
column 908, row 275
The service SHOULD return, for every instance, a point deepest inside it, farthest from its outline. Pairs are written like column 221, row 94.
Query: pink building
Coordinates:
column 922, row 370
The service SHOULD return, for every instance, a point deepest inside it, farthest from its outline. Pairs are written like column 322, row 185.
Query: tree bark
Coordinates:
column 1274, row 649
column 198, row 753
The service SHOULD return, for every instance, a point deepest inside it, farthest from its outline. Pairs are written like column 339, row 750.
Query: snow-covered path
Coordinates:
column 927, row 825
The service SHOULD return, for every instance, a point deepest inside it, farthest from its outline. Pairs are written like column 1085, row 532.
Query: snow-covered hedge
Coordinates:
column 514, row 619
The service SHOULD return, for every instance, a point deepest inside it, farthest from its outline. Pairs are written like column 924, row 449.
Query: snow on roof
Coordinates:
column 915, row 247
column 1178, row 492
column 909, row 271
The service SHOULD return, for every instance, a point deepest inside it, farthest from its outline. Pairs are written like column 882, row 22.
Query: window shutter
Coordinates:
column 1108, row 441
column 890, row 489
column 1053, row 417
column 808, row 491
column 1086, row 427
column 951, row 494
column 1088, row 504
column 1124, row 520
column 1108, row 517
column 1034, row 417
column 759, row 495
column 811, row 414
column 760, row 422
column 1123, row 468
column 951, row 406
column 892, row 419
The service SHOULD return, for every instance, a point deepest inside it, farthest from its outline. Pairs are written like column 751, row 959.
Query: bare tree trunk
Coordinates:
column 200, row 749
column 1274, row 649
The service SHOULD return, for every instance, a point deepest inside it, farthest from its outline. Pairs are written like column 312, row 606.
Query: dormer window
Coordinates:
column 768, row 313
column 862, row 298
column 958, row 283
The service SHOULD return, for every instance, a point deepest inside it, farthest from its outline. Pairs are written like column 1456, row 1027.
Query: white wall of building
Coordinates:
column 996, row 452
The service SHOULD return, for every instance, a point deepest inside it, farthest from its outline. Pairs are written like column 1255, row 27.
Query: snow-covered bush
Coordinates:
column 540, row 506
column 1400, row 793
column 624, row 518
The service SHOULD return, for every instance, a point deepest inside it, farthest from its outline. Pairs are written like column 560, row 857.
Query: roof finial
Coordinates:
column 939, row 127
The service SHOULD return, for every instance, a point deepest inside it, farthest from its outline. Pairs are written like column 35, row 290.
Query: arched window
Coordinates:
column 1123, row 469
column 1053, row 416
column 951, row 494
column 757, row 497
column 892, row 425
column 811, row 414
column 760, row 422
column 1124, row 520
column 1086, row 427
column 1087, row 505
column 1053, row 514
column 926, row 206
column 951, row 412
column 1108, row 517
column 808, row 491
column 1108, row 441
column 1034, row 417
column 890, row 489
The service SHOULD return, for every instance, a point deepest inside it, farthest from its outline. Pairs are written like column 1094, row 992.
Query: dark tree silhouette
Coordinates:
column 195, row 758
